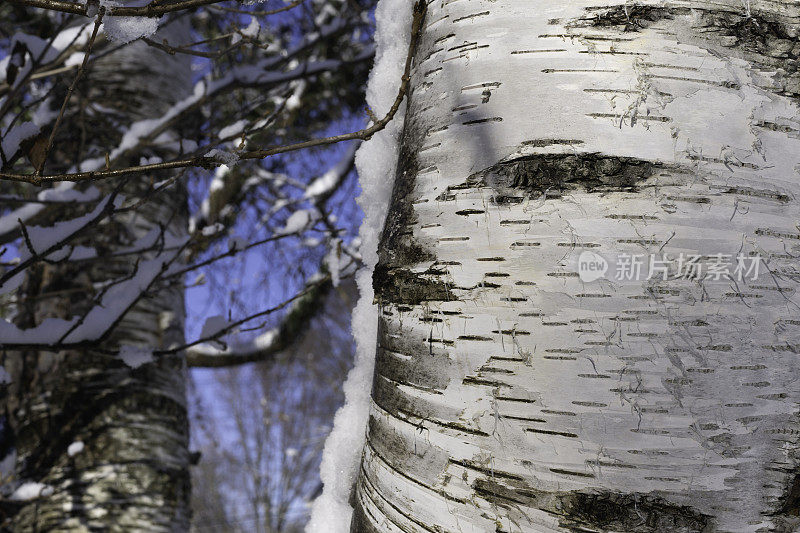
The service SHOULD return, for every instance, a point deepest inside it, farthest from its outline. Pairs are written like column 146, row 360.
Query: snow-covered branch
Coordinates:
column 109, row 307
column 303, row 307
column 153, row 9
column 243, row 77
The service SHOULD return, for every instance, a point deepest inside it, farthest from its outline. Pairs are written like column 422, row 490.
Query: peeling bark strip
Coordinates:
column 511, row 396
column 132, row 473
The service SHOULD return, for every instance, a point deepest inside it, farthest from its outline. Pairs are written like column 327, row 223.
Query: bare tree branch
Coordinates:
column 70, row 90
column 287, row 7
column 305, row 306
column 104, row 209
column 149, row 10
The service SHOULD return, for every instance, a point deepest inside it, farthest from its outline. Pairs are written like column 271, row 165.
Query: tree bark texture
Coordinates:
column 510, row 395
column 132, row 474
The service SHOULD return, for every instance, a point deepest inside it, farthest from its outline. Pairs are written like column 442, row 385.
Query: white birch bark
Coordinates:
column 509, row 395
column 132, row 472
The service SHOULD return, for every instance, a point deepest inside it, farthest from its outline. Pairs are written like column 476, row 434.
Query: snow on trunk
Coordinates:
column 528, row 377
column 131, row 472
column 376, row 162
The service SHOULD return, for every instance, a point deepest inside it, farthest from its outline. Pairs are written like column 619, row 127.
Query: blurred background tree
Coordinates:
column 262, row 438
column 147, row 161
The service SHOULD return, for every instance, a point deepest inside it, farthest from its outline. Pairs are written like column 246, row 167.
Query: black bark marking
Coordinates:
column 596, row 510
column 388, row 396
column 550, row 142
column 470, row 465
column 540, row 51
column 516, row 400
column 571, row 473
column 428, row 366
column 473, row 380
column 468, row 17
column 555, row 173
column 634, row 513
column 549, row 432
column 398, row 246
column 630, row 17
column 503, row 495
column 482, row 120
column 403, row 286
column 501, row 199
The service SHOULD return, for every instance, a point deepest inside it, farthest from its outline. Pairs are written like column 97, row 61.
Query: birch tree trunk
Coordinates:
column 512, row 394
column 132, row 474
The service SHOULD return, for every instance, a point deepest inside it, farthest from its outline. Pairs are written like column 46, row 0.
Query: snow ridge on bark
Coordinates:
column 376, row 162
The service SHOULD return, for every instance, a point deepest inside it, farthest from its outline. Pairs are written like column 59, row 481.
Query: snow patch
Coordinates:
column 135, row 356
column 126, row 29
column 223, row 156
column 298, row 221
column 48, row 332
column 41, row 50
column 326, row 183
column 142, row 128
column 333, row 261
column 13, row 284
column 66, row 192
column 42, row 238
column 82, row 252
column 115, row 302
column 30, row 490
column 252, row 29
column 7, row 465
column 75, row 448
column 232, row 129
column 212, row 230
column 10, row 222
column 75, row 59
column 12, row 138
column 376, row 162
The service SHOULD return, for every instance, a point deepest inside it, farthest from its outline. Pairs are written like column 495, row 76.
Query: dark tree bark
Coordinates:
column 132, row 474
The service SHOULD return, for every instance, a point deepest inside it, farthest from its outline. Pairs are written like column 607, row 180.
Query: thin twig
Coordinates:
column 233, row 325
column 70, row 91
column 107, row 211
column 150, row 10
column 287, row 7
